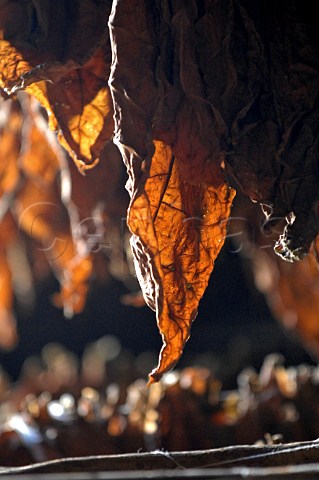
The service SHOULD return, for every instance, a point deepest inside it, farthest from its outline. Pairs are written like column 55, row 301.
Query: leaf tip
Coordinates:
column 153, row 377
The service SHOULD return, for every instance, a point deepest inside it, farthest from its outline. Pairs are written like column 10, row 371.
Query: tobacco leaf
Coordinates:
column 290, row 288
column 82, row 105
column 82, row 230
column 179, row 229
column 8, row 327
column 258, row 65
column 180, row 202
column 67, row 217
column 65, row 68
column 80, row 102
column 274, row 124
column 10, row 133
column 43, row 218
column 36, row 200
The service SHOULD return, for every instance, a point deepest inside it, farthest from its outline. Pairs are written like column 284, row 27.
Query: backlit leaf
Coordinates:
column 30, row 170
column 179, row 229
column 8, row 328
column 180, row 201
column 68, row 77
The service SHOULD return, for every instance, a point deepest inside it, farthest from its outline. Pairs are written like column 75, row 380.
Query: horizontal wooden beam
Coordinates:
column 286, row 461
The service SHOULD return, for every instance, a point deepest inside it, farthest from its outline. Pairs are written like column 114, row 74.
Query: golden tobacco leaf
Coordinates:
column 29, row 188
column 180, row 201
column 178, row 230
column 8, row 328
column 43, row 215
column 65, row 68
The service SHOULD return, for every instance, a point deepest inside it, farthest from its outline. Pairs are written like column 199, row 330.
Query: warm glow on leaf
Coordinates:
column 180, row 201
column 71, row 87
column 78, row 103
column 10, row 148
column 42, row 215
column 30, row 164
column 8, row 330
column 82, row 105
column 12, row 67
column 179, row 229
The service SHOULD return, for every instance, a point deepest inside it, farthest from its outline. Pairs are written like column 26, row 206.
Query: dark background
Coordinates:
column 234, row 327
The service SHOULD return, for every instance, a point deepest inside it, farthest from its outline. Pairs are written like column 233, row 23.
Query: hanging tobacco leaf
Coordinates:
column 273, row 115
column 10, row 133
column 42, row 215
column 179, row 229
column 180, row 202
column 65, row 67
column 8, row 327
column 82, row 105
column 290, row 288
column 30, row 169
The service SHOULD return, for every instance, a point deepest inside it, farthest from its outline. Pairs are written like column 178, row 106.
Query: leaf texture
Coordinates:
column 29, row 188
column 180, row 202
column 178, row 230
column 67, row 76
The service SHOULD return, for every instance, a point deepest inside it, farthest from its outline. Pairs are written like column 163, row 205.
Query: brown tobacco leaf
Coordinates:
column 180, row 202
column 8, row 329
column 179, row 229
column 82, row 104
column 290, row 288
column 78, row 102
column 67, row 73
column 37, row 206
column 273, row 115
column 10, row 147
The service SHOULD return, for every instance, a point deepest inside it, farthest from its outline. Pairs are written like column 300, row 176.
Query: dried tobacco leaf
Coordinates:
column 65, row 68
column 274, row 121
column 29, row 184
column 180, row 202
column 8, row 328
column 82, row 105
column 78, row 102
column 179, row 229
column 43, row 216
column 258, row 64
column 290, row 288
